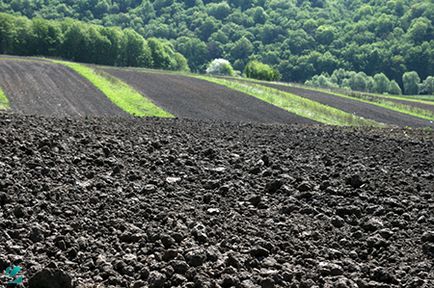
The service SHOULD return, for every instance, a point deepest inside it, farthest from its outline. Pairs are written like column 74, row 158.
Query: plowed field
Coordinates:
column 359, row 108
column 43, row 88
column 192, row 98
column 178, row 203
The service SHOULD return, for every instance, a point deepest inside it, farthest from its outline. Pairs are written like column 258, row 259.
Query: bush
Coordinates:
column 427, row 87
column 411, row 82
column 394, row 88
column 257, row 70
column 382, row 83
column 220, row 67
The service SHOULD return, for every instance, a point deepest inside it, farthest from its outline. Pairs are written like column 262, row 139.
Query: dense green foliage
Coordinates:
column 378, row 84
column 301, row 38
column 257, row 70
column 87, row 43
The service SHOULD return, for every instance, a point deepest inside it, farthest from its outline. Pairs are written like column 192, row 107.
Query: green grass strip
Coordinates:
column 4, row 102
column 118, row 92
column 382, row 102
column 373, row 99
column 367, row 95
column 295, row 104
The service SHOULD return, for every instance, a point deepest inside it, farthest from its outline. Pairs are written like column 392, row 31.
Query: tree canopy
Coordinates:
column 88, row 43
column 300, row 38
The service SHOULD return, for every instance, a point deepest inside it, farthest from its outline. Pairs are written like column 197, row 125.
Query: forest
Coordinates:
column 298, row 38
column 81, row 42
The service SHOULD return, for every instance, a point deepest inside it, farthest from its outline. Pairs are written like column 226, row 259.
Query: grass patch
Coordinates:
column 373, row 99
column 295, row 104
column 384, row 103
column 425, row 99
column 118, row 92
column 4, row 102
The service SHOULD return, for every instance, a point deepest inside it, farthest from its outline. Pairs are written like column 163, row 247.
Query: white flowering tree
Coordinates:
column 220, row 67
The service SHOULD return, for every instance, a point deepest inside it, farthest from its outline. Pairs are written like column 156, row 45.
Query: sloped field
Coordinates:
column 192, row 98
column 359, row 108
column 177, row 203
column 44, row 88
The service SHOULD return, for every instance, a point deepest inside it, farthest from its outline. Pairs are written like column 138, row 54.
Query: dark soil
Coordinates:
column 192, row 98
column 414, row 104
column 179, row 203
column 38, row 87
column 362, row 109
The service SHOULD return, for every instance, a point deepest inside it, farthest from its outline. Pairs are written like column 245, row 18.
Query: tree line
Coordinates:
column 379, row 83
column 299, row 38
column 82, row 42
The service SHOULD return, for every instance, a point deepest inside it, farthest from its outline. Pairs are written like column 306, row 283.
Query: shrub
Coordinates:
column 394, row 88
column 382, row 83
column 427, row 87
column 220, row 67
column 411, row 82
column 257, row 70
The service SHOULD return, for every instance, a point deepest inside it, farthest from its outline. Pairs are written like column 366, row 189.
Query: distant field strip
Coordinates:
column 4, row 102
column 425, row 99
column 296, row 104
column 384, row 101
column 118, row 92
column 391, row 105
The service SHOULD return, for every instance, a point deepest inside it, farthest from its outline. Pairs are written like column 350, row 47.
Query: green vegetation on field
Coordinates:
column 374, row 99
column 424, row 99
column 118, row 92
column 295, row 104
column 4, row 102
column 380, row 101
column 428, row 99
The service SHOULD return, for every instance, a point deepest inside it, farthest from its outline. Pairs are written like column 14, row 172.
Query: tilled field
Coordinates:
column 191, row 98
column 43, row 88
column 179, row 203
column 362, row 109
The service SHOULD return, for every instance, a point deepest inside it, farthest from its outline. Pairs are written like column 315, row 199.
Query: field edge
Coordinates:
column 4, row 101
column 119, row 92
column 315, row 111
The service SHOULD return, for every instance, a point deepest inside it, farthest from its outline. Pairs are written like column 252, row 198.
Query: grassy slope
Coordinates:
column 295, row 104
column 373, row 99
column 118, row 92
column 385, row 103
column 4, row 102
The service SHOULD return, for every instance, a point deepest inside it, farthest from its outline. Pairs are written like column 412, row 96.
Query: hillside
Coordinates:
column 299, row 37
column 38, row 86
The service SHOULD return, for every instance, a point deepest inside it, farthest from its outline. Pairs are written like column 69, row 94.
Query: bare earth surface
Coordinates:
column 425, row 106
column 356, row 107
column 192, row 98
column 38, row 87
column 179, row 203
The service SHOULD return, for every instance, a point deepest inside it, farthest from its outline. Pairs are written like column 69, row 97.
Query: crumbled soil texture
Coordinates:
column 179, row 203
column 43, row 88
column 358, row 108
column 192, row 98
